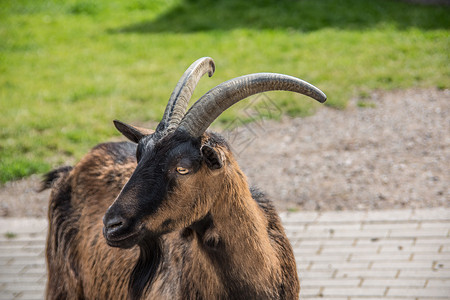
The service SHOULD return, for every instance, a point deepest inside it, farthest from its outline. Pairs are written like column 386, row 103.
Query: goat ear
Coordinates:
column 213, row 157
column 133, row 133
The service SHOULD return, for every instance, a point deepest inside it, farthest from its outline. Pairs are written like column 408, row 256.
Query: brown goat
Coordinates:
column 181, row 221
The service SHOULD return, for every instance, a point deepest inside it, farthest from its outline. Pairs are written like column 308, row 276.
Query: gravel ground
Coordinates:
column 393, row 153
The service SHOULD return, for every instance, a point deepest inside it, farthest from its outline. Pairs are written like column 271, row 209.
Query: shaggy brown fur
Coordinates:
column 231, row 245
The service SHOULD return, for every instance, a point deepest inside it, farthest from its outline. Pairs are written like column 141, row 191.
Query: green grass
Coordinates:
column 10, row 235
column 67, row 68
column 365, row 104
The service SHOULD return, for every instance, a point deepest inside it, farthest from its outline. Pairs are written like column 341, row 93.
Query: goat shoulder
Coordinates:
column 289, row 286
column 79, row 198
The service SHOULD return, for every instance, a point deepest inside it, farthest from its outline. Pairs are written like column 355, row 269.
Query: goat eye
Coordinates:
column 182, row 171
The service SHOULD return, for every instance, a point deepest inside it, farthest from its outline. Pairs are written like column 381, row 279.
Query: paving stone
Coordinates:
column 321, row 297
column 25, row 287
column 22, row 225
column 417, row 233
column 303, row 251
column 340, row 265
column 384, row 298
column 437, row 224
column 27, row 244
column 375, row 241
column 429, row 274
column 21, row 262
column 433, row 248
column 390, row 215
column 310, row 234
column 389, row 225
column 19, row 253
column 420, row 292
column 366, row 273
column 358, row 291
column 418, row 283
column 342, row 216
column 6, row 271
column 6, row 295
column 326, row 242
column 386, row 265
column 303, row 217
column 438, row 282
column 335, row 226
column 313, row 274
column 322, row 258
column 432, row 256
column 293, row 227
column 302, row 265
column 11, row 244
column 433, row 214
column 30, row 296
column 365, row 249
column 23, row 238
column 381, row 257
column 401, row 254
column 443, row 241
column 379, row 233
column 307, row 291
column 18, row 279
column 340, row 282
column 33, row 270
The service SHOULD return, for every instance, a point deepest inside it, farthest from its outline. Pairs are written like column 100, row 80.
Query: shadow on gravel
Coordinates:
column 300, row 15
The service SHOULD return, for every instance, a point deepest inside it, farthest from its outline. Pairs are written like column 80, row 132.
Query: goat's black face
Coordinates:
column 163, row 194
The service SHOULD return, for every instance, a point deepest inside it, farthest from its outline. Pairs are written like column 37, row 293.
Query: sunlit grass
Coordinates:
column 68, row 68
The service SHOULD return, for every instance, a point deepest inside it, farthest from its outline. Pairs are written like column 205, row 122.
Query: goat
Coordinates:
column 179, row 218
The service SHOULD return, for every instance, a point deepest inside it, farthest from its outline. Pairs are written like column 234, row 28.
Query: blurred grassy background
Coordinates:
column 68, row 68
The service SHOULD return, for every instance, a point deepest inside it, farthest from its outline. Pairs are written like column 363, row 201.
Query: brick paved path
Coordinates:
column 396, row 254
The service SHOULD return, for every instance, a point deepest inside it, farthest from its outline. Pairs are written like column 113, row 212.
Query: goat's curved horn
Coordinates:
column 176, row 107
column 218, row 99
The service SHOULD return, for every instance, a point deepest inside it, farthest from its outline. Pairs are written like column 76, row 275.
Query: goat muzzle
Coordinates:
column 119, row 232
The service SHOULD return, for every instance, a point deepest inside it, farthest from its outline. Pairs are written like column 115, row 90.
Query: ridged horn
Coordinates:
column 176, row 107
column 220, row 98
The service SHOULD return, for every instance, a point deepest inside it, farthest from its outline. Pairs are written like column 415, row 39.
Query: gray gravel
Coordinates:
column 21, row 199
column 393, row 154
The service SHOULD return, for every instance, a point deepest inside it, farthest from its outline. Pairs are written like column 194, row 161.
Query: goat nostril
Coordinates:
column 113, row 223
column 112, row 226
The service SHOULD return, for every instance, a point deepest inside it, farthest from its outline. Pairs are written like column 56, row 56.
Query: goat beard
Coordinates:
column 146, row 267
